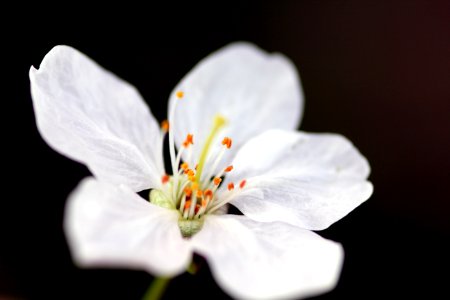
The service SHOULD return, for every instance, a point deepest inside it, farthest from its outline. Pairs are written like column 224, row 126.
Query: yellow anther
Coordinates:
column 194, row 186
column 184, row 166
column 179, row 94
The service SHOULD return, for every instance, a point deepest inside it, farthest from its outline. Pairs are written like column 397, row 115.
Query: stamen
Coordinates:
column 242, row 184
column 165, row 179
column 199, row 193
column 183, row 202
column 192, row 208
column 227, row 142
column 218, row 159
column 179, row 95
column 231, row 186
column 228, row 169
column 219, row 122
column 184, row 166
column 217, row 181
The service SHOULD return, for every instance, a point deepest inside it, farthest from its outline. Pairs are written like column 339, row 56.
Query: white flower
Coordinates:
column 235, row 110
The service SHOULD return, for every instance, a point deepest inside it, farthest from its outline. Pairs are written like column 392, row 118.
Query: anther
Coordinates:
column 242, row 184
column 199, row 193
column 194, row 186
column 189, row 172
column 227, row 142
column 188, row 191
column 208, row 194
column 188, row 141
column 179, row 94
column 228, row 169
column 231, row 186
column 217, row 180
column 165, row 178
column 187, row 205
column 165, row 125
column 184, row 166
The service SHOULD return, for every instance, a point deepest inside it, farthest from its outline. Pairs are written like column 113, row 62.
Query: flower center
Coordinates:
column 192, row 189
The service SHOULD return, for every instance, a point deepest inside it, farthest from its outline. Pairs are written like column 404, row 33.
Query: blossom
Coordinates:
column 230, row 126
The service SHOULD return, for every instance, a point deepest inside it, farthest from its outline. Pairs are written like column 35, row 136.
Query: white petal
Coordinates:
column 93, row 117
column 308, row 180
column 252, row 89
column 110, row 226
column 267, row 260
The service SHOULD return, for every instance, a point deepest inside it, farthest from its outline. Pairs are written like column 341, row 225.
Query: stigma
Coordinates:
column 193, row 190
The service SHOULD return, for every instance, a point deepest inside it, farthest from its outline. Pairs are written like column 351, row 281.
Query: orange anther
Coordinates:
column 208, row 194
column 165, row 125
column 165, row 178
column 191, row 178
column 194, row 186
column 184, row 166
column 189, row 172
column 188, row 141
column 228, row 169
column 199, row 193
column 227, row 142
column 190, row 138
column 231, row 186
column 187, row 204
column 242, row 184
column 197, row 208
column 179, row 94
column 217, row 180
column 188, row 191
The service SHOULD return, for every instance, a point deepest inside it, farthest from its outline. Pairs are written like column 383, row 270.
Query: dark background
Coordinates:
column 375, row 71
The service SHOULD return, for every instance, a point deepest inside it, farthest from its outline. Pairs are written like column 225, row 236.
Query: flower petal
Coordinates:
column 93, row 117
column 267, row 260
column 112, row 226
column 252, row 89
column 308, row 180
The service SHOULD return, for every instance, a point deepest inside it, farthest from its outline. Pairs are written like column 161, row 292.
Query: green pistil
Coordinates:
column 219, row 122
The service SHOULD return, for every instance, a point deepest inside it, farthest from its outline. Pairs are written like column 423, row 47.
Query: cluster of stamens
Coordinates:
column 192, row 189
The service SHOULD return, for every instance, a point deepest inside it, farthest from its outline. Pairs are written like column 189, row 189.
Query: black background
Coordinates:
column 375, row 71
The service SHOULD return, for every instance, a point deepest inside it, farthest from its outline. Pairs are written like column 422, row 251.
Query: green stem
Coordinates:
column 157, row 288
